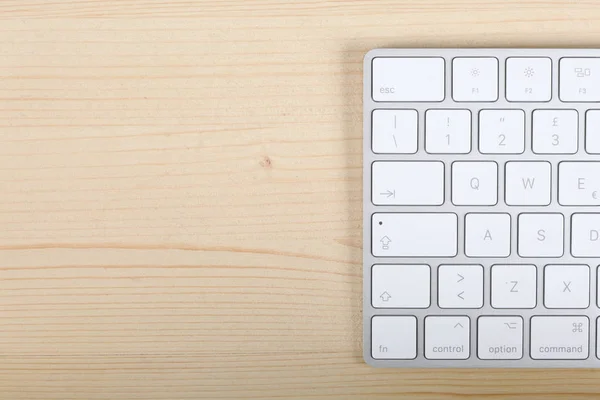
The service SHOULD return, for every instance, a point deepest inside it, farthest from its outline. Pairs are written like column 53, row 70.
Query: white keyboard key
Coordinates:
column 592, row 131
column 448, row 131
column 567, row 286
column 474, row 183
column 598, row 337
column 528, row 183
column 475, row 79
column 579, row 183
column 447, row 338
column 541, row 235
column 414, row 234
column 598, row 294
column 408, row 182
column 487, row 235
column 585, row 235
column 394, row 337
column 460, row 286
column 500, row 338
column 559, row 338
column 395, row 131
column 408, row 79
column 579, row 79
column 400, row 286
column 528, row 79
column 555, row 131
column 514, row 286
column 502, row 131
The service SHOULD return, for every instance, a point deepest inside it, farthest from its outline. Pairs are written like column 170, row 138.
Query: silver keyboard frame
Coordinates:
column 369, row 105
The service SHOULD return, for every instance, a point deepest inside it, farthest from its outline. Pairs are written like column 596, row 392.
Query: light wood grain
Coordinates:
column 180, row 214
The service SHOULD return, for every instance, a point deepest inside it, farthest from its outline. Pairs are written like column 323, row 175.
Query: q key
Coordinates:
column 474, row 183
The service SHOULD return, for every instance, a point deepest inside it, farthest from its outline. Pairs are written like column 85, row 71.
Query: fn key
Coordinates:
column 394, row 337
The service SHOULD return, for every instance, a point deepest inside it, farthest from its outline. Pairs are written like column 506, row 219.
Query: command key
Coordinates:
column 560, row 338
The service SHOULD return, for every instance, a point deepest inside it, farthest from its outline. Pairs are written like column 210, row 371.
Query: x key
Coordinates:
column 567, row 286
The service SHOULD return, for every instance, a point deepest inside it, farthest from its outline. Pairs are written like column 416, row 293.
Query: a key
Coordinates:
column 579, row 183
column 395, row 131
column 555, row 131
column 408, row 182
column 447, row 338
column 528, row 79
column 585, row 235
column 579, row 79
column 514, row 286
column 592, row 131
column 448, row 131
column 408, row 79
column 400, row 286
column 474, row 183
column 527, row 183
column 460, row 286
column 475, row 79
column 414, row 234
column 567, row 286
column 559, row 337
column 487, row 235
column 502, row 131
column 541, row 235
column 394, row 337
column 500, row 338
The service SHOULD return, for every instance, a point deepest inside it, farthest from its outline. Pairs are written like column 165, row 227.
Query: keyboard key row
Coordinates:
column 448, row 131
column 475, row 183
column 497, row 337
column 486, row 235
column 462, row 286
column 476, row 79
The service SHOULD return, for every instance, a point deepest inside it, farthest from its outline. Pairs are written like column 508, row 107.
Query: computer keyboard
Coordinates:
column 481, row 207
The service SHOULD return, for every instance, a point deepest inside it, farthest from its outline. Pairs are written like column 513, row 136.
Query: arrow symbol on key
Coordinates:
column 460, row 295
column 389, row 193
column 457, row 325
column 460, row 279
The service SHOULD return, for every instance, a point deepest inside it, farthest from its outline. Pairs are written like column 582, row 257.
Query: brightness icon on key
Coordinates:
column 475, row 72
column 529, row 72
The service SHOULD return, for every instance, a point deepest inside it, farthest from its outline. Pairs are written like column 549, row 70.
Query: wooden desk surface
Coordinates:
column 180, row 214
